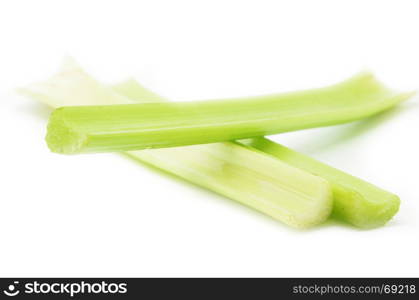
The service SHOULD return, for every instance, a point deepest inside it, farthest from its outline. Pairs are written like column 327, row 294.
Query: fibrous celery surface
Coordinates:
column 87, row 129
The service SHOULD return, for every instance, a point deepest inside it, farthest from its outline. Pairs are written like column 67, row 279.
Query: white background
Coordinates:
column 104, row 215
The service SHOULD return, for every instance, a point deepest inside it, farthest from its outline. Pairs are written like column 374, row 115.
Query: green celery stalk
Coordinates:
column 239, row 172
column 106, row 128
column 355, row 201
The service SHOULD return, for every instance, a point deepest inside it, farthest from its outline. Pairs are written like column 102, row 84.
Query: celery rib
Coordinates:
column 247, row 175
column 127, row 127
column 355, row 201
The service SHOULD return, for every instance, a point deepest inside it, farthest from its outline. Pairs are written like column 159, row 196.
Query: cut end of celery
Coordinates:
column 365, row 213
column 61, row 138
column 319, row 212
column 316, row 211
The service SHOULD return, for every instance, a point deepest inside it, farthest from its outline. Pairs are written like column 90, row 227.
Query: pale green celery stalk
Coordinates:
column 242, row 173
column 170, row 124
column 355, row 201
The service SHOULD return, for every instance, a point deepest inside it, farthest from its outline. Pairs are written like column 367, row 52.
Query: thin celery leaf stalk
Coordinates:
column 247, row 175
column 355, row 201
column 170, row 124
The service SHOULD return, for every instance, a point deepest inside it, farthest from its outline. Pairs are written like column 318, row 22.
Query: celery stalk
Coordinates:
column 247, row 175
column 170, row 124
column 355, row 201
